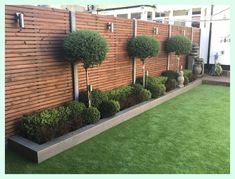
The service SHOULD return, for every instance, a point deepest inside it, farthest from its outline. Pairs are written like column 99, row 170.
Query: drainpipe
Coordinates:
column 210, row 32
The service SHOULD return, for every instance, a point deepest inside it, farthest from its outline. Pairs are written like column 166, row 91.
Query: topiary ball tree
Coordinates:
column 179, row 44
column 87, row 47
column 143, row 47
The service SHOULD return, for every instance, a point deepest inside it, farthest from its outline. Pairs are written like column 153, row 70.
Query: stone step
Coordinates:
column 210, row 82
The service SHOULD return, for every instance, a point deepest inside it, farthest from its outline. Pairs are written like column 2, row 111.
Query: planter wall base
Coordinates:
column 39, row 153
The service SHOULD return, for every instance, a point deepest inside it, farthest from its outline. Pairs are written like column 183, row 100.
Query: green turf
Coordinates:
column 189, row 134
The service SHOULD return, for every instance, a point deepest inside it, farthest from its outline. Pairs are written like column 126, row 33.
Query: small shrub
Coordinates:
column 187, row 73
column 170, row 74
column 76, row 113
column 187, row 76
column 186, row 81
column 140, row 93
column 151, row 79
column 156, row 85
column 109, row 108
column 161, row 79
column 64, row 124
column 192, row 78
column 123, row 95
column 156, row 89
column 171, row 84
column 97, row 97
column 40, row 126
column 90, row 115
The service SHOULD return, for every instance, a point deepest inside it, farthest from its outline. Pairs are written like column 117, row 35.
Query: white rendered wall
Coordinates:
column 220, row 30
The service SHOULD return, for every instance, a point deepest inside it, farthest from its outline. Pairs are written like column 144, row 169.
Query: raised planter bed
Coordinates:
column 39, row 153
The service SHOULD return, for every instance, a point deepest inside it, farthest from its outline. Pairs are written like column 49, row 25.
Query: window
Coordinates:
column 149, row 15
column 196, row 21
column 122, row 15
column 157, row 14
column 196, row 11
column 136, row 15
column 180, row 12
column 196, row 24
column 162, row 14
column 179, row 23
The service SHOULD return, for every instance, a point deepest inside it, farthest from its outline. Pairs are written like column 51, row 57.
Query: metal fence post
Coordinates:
column 169, row 56
column 134, row 59
column 72, row 18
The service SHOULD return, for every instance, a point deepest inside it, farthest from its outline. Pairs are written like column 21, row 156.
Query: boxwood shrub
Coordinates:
column 156, row 89
column 90, row 115
column 156, row 85
column 186, row 81
column 140, row 94
column 76, row 113
column 171, row 84
column 170, row 74
column 123, row 95
column 41, row 127
column 187, row 73
column 151, row 79
column 109, row 108
column 97, row 97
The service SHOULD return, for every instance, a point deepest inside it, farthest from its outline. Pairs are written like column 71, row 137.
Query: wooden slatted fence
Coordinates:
column 36, row 75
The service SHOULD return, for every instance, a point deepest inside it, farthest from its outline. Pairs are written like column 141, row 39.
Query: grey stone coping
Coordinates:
column 39, row 153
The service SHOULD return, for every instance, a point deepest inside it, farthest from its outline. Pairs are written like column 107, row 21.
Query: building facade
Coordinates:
column 209, row 19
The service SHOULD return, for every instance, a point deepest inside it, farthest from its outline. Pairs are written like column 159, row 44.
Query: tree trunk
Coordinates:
column 87, row 86
column 143, row 70
column 178, row 63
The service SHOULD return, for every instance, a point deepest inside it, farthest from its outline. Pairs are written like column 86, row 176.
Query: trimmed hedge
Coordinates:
column 151, row 79
column 90, row 115
column 97, row 97
column 186, row 81
column 170, row 74
column 76, row 111
column 140, row 94
column 187, row 73
column 41, row 127
column 128, row 96
column 156, row 85
column 156, row 89
column 109, row 108
column 123, row 95
column 171, row 84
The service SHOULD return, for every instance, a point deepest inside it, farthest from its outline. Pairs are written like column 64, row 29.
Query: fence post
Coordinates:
column 192, row 34
column 72, row 19
column 169, row 56
column 134, row 59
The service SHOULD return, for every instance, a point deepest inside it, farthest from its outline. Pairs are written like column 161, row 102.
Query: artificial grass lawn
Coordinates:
column 188, row 134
